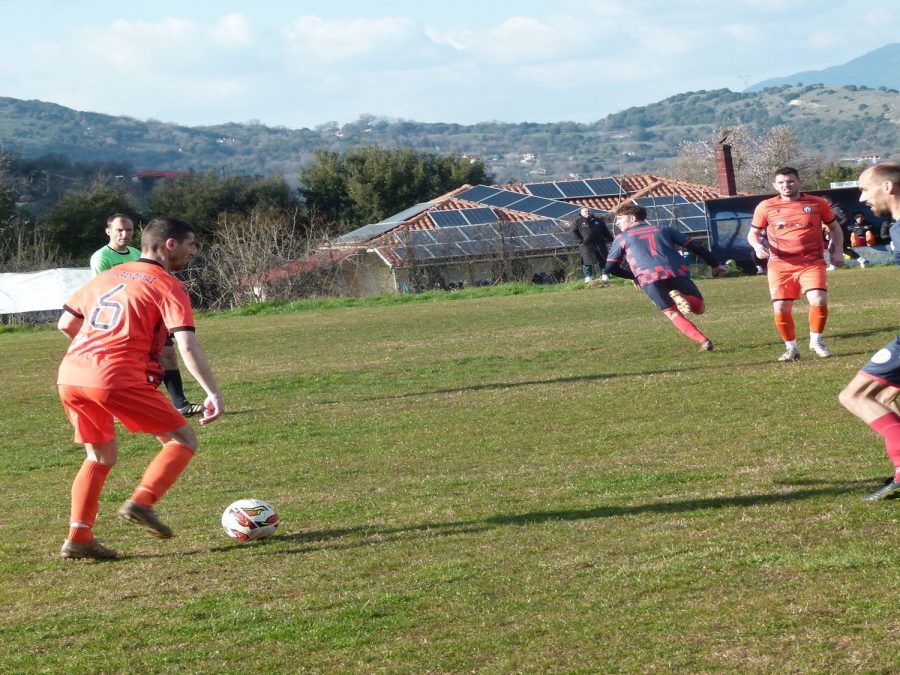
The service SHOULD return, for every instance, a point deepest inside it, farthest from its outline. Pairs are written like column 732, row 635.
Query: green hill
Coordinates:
column 835, row 122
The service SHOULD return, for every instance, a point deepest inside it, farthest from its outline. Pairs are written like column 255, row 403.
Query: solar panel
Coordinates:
column 478, row 232
column 575, row 188
column 477, row 193
column 504, row 198
column 567, row 238
column 661, row 201
column 365, row 233
column 448, row 218
column 541, row 241
column 446, row 235
column 419, row 238
column 557, row 210
column 604, row 187
column 445, row 250
column 543, row 226
column 479, row 247
column 513, row 229
column 477, row 216
column 531, row 204
column 548, row 190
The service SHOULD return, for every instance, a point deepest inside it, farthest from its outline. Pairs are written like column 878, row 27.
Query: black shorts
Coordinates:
column 658, row 291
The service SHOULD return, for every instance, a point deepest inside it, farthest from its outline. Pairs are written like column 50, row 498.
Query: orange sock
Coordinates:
column 86, row 489
column 818, row 315
column 784, row 322
column 162, row 473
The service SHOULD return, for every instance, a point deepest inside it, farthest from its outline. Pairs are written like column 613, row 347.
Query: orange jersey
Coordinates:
column 794, row 228
column 127, row 311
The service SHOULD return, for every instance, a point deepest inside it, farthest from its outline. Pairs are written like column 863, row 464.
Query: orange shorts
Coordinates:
column 790, row 282
column 92, row 411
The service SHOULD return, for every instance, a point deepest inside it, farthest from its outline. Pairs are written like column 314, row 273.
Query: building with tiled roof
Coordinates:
column 478, row 235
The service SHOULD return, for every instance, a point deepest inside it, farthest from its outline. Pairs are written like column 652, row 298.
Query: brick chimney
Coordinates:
column 725, row 170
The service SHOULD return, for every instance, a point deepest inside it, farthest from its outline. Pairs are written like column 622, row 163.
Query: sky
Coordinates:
column 309, row 63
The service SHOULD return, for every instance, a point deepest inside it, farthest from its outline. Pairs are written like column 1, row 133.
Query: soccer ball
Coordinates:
column 250, row 519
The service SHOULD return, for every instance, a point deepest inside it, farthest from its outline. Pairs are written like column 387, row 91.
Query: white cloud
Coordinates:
column 232, row 30
column 325, row 40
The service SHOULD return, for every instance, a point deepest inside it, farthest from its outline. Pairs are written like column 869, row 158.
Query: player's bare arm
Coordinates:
column 837, row 237
column 198, row 365
column 69, row 324
column 754, row 238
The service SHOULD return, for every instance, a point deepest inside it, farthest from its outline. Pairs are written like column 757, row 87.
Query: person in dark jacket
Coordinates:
column 594, row 239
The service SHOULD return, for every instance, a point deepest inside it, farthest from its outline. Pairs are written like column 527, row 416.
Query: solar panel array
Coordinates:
column 485, row 239
column 453, row 217
column 575, row 189
column 675, row 211
column 541, row 206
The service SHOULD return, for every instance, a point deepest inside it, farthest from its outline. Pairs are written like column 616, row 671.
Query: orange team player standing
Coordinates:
column 118, row 323
column 792, row 224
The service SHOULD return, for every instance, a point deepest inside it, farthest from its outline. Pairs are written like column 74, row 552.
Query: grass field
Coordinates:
column 556, row 481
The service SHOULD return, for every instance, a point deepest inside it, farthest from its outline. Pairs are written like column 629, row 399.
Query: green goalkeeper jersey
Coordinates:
column 107, row 257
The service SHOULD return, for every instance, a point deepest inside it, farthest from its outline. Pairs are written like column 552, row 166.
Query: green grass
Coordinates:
column 522, row 482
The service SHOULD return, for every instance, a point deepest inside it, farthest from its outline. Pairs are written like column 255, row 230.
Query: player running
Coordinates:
column 792, row 223
column 118, row 322
column 658, row 269
column 872, row 394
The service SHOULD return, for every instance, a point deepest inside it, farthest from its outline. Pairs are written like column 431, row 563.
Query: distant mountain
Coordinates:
column 830, row 121
column 879, row 68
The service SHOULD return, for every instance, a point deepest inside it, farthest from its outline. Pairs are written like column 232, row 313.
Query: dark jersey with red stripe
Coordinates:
column 651, row 252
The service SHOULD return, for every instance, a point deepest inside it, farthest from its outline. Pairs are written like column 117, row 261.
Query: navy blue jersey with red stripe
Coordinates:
column 651, row 252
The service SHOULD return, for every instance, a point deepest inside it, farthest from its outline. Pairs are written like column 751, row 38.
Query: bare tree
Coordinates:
column 266, row 255
column 25, row 248
column 755, row 158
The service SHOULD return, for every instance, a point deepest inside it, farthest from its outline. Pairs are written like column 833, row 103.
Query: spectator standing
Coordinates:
column 593, row 238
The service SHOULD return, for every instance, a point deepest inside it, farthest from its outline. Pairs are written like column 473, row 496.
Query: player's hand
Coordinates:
column 761, row 252
column 719, row 271
column 837, row 258
column 212, row 409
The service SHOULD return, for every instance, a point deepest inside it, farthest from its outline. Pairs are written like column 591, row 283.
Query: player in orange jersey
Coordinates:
column 792, row 224
column 118, row 323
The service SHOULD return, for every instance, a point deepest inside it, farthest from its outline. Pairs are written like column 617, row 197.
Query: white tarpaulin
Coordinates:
column 40, row 291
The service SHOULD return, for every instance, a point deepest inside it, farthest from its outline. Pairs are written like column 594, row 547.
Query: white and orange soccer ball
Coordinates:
column 250, row 519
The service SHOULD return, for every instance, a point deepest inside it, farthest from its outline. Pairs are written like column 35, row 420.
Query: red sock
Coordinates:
column 86, row 489
column 687, row 328
column 818, row 315
column 888, row 426
column 162, row 473
column 784, row 322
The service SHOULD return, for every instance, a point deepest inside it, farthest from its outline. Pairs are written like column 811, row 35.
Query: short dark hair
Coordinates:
column 159, row 230
column 116, row 216
column 787, row 171
column 639, row 212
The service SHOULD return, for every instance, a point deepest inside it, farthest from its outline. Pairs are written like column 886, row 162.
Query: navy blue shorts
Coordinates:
column 885, row 364
column 658, row 291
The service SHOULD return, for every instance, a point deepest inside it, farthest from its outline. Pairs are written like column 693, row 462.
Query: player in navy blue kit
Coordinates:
column 658, row 268
column 872, row 394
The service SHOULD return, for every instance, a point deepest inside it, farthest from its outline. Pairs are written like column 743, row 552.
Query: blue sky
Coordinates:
column 302, row 64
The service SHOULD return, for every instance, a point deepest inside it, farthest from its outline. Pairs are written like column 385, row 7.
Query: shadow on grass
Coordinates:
column 594, row 377
column 377, row 534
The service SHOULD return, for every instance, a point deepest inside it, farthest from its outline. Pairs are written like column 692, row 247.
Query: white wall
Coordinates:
column 40, row 291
